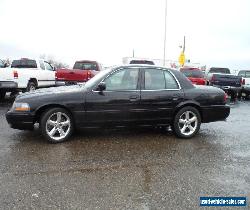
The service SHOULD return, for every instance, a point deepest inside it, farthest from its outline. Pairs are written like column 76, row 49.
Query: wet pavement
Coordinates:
column 125, row 169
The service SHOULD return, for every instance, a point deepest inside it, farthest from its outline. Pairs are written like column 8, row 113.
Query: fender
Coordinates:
column 187, row 103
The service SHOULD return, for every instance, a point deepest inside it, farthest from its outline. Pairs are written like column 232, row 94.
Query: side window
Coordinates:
column 242, row 73
column 154, row 79
column 42, row 65
column 247, row 74
column 48, row 66
column 125, row 79
column 170, row 81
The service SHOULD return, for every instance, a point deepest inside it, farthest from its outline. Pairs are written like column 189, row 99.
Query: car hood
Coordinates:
column 51, row 91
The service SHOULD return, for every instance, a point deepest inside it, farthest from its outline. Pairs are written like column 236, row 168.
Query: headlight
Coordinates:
column 20, row 107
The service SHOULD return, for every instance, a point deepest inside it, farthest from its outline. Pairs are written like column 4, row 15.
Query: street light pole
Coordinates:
column 165, row 33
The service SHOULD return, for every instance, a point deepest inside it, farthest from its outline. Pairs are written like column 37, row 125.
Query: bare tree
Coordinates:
column 7, row 61
column 57, row 64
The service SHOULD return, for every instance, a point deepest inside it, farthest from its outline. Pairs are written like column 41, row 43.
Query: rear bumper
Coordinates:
column 8, row 85
column 228, row 88
column 215, row 113
column 21, row 121
column 63, row 83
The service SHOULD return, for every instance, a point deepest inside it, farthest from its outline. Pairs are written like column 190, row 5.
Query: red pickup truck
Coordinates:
column 82, row 71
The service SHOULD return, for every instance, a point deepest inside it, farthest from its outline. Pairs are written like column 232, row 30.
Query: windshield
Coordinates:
column 23, row 64
column 193, row 73
column 97, row 78
column 85, row 66
column 220, row 70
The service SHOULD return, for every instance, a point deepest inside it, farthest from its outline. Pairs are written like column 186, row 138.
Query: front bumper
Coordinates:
column 21, row 121
column 215, row 113
column 8, row 85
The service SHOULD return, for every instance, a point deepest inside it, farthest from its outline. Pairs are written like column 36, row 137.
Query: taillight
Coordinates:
column 225, row 97
column 89, row 75
column 243, row 82
column 15, row 74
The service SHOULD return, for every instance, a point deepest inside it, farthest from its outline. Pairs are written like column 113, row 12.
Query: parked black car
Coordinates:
column 134, row 95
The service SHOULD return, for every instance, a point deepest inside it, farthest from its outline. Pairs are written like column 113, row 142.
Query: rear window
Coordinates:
column 193, row 73
column 219, row 70
column 142, row 62
column 24, row 64
column 85, row 66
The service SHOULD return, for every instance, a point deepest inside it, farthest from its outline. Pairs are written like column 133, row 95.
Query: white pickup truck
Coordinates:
column 26, row 75
column 245, row 74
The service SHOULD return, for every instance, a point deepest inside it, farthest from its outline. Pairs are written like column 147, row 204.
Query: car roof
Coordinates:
column 81, row 61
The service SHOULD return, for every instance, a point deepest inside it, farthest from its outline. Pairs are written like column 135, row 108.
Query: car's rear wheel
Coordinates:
column 187, row 122
column 56, row 125
column 31, row 87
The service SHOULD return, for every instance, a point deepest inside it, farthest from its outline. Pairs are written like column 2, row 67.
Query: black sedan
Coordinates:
column 134, row 95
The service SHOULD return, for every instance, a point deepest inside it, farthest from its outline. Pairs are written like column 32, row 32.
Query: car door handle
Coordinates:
column 71, row 72
column 134, row 98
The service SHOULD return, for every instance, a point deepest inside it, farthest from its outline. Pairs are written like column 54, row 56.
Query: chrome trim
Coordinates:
column 108, row 91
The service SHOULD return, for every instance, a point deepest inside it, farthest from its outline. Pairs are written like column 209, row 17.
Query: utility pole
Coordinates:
column 165, row 33
column 184, row 44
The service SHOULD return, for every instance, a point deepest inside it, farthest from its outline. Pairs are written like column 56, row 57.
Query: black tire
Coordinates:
column 193, row 112
column 31, row 86
column 46, row 127
column 2, row 94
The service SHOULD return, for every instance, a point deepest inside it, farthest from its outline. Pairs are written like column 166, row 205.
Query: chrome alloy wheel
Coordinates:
column 58, row 126
column 188, row 123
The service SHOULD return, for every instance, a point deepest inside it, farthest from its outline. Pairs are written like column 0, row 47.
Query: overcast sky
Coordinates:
column 217, row 31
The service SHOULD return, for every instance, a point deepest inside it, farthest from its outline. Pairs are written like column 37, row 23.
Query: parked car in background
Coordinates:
column 26, row 75
column 195, row 75
column 133, row 95
column 82, row 71
column 245, row 91
column 222, row 78
column 148, row 62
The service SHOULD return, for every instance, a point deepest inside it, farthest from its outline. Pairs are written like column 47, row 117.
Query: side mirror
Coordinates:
column 5, row 65
column 101, row 87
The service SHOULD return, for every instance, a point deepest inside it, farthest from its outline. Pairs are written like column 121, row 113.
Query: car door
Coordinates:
column 116, row 104
column 50, row 74
column 41, row 74
column 160, row 93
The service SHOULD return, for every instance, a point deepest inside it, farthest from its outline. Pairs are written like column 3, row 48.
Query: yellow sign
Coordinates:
column 182, row 59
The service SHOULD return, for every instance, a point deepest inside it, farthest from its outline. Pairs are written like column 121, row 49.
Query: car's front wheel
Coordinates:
column 187, row 122
column 56, row 125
